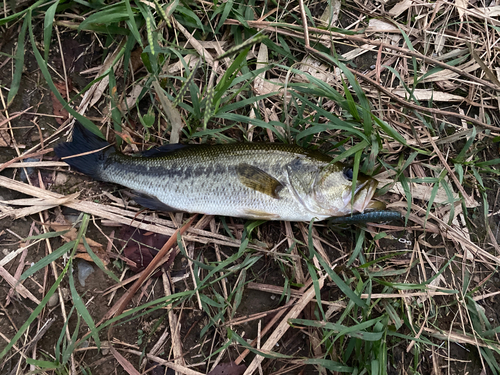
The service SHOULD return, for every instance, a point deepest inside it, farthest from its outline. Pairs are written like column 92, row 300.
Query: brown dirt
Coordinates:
column 142, row 333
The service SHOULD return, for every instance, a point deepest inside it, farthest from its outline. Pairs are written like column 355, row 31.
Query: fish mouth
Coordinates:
column 363, row 197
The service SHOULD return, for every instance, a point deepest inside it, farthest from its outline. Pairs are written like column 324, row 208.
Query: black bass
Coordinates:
column 248, row 180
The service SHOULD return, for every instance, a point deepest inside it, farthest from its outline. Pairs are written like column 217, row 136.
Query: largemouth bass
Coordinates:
column 248, row 180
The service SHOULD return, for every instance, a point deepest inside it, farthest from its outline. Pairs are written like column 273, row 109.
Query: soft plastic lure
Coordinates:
column 367, row 217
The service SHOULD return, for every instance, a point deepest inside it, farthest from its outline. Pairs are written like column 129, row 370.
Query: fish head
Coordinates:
column 333, row 192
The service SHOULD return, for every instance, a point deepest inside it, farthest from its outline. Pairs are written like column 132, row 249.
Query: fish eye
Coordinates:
column 348, row 173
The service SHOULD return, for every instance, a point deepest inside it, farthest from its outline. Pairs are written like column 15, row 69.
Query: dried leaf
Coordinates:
column 331, row 14
column 178, row 66
column 133, row 95
column 57, row 106
column 136, row 60
column 125, row 136
column 58, row 110
column 72, row 234
column 380, row 26
column 141, row 246
column 171, row 113
column 446, row 75
column 260, row 80
column 440, row 41
column 428, row 94
column 127, row 366
column 400, row 7
column 318, row 70
column 493, row 11
column 351, row 55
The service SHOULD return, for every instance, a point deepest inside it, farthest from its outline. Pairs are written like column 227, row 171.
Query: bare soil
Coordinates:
column 142, row 333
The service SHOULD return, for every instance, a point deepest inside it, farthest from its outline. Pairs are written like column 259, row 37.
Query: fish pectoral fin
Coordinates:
column 257, row 214
column 151, row 202
column 257, row 179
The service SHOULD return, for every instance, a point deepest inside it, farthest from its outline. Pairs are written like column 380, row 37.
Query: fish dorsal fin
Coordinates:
column 162, row 150
column 256, row 179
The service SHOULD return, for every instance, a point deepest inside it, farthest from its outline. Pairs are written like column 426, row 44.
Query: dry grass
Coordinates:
column 408, row 92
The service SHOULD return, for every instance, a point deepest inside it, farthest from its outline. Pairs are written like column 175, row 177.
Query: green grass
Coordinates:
column 215, row 101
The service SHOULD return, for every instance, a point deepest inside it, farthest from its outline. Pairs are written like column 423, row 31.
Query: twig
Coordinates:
column 63, row 62
column 271, row 323
column 117, row 215
column 196, row 45
column 178, row 368
column 120, row 305
column 469, row 200
column 21, row 289
column 284, row 325
column 24, row 156
column 275, row 289
column 174, row 324
column 354, row 38
column 460, row 338
column 421, row 108
column 304, row 23
column 17, row 114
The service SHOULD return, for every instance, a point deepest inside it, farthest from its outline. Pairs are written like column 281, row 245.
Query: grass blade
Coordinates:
column 47, row 28
column 82, row 310
column 42, row 263
column 45, row 72
column 132, row 24
column 19, row 63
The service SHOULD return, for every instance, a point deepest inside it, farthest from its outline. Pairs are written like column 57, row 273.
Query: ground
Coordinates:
column 368, row 320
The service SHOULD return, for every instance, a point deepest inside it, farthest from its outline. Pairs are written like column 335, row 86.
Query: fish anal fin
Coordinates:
column 151, row 202
column 256, row 179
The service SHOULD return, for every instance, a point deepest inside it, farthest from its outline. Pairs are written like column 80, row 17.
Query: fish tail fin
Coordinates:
column 95, row 151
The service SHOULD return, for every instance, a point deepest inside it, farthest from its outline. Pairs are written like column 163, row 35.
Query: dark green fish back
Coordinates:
column 207, row 152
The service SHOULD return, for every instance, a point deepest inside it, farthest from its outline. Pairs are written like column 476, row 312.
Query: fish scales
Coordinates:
column 206, row 180
column 249, row 180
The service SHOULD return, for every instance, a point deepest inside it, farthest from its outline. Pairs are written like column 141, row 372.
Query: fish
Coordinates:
column 267, row 181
